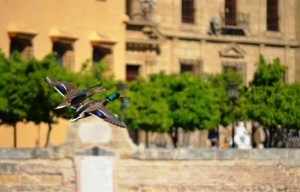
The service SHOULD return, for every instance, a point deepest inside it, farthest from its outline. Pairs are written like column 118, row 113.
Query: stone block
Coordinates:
column 9, row 179
column 231, row 154
column 53, row 179
column 265, row 154
column 8, row 167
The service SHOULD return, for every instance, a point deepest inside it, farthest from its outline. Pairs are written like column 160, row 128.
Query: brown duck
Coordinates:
column 72, row 96
column 97, row 109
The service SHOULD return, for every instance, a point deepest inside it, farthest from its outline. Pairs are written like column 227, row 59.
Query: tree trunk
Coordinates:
column 174, row 136
column 48, row 134
column 272, row 131
column 15, row 135
column 147, row 138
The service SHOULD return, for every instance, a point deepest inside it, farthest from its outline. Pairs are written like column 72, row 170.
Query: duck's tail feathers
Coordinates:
column 77, row 116
column 60, row 106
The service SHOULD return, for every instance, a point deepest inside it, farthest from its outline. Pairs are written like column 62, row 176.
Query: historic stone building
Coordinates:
column 164, row 35
column 211, row 36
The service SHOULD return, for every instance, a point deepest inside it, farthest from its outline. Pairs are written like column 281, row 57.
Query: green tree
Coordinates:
column 220, row 84
column 266, row 99
column 45, row 112
column 148, row 108
column 290, row 110
column 13, row 92
column 44, row 99
column 25, row 96
column 268, row 74
column 172, row 101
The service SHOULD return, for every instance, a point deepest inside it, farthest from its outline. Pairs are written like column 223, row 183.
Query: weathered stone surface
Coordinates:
column 284, row 155
column 34, row 153
column 9, row 179
column 159, row 170
column 93, row 132
column 47, row 169
column 217, row 170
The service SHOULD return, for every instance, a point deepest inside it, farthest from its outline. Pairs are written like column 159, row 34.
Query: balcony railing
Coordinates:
column 234, row 23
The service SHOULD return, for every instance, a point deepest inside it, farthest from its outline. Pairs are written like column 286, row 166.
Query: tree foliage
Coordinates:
column 148, row 107
column 25, row 96
column 167, row 101
column 268, row 74
column 220, row 84
column 270, row 101
column 157, row 104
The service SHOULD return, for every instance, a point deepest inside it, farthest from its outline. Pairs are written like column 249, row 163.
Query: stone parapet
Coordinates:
column 211, row 170
column 47, row 169
column 54, row 169
column 217, row 154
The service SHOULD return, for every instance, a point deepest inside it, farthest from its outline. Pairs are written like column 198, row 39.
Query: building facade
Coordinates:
column 79, row 31
column 141, row 37
column 211, row 36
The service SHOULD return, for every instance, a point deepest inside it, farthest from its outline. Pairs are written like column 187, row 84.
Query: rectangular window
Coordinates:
column 64, row 54
column 184, row 67
column 128, row 7
column 99, row 54
column 230, row 12
column 191, row 65
column 187, row 11
column 132, row 71
column 23, row 46
column 272, row 15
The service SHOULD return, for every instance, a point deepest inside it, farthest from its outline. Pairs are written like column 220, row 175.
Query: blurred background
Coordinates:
column 194, row 73
column 199, row 81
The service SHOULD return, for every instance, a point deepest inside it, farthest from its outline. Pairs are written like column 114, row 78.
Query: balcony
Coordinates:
column 234, row 23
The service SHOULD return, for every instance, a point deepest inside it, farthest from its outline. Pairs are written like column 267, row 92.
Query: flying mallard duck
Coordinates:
column 97, row 109
column 72, row 96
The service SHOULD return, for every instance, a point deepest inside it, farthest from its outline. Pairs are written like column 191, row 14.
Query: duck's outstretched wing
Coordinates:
column 82, row 108
column 61, row 87
column 107, row 116
column 91, row 91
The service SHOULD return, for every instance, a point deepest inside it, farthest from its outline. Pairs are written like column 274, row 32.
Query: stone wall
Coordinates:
column 159, row 170
column 36, row 170
column 211, row 170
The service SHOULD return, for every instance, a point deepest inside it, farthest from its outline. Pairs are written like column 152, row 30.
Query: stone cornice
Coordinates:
column 250, row 40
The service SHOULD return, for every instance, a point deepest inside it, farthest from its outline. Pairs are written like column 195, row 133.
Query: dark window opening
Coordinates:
column 64, row 54
column 99, row 54
column 187, row 11
column 23, row 46
column 230, row 12
column 186, row 68
column 128, row 7
column 272, row 15
column 132, row 72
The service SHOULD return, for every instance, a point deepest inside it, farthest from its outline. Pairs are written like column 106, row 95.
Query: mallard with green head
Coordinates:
column 72, row 96
column 97, row 109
